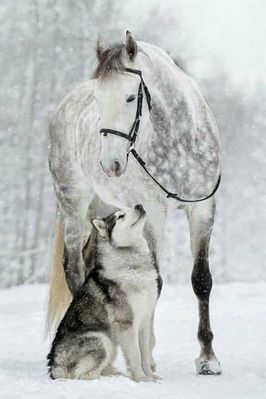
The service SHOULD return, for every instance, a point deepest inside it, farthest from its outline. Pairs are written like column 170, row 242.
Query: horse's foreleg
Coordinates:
column 77, row 226
column 201, row 217
column 72, row 260
column 74, row 210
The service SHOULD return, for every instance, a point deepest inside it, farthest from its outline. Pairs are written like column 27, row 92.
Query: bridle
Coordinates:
column 133, row 132
column 132, row 135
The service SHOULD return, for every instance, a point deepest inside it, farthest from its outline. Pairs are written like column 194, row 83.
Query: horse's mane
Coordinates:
column 110, row 62
column 180, row 63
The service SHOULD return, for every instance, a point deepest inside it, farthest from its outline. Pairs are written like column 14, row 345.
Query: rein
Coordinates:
column 132, row 135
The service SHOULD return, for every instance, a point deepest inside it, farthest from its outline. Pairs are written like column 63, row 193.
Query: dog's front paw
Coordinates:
column 156, row 378
column 146, row 378
column 138, row 377
column 153, row 366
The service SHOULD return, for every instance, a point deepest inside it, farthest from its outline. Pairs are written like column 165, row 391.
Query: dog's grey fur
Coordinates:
column 115, row 306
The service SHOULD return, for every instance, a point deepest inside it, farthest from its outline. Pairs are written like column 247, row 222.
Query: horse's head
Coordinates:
column 116, row 92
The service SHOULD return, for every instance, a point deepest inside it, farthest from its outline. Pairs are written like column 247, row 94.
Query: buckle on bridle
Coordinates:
column 131, row 146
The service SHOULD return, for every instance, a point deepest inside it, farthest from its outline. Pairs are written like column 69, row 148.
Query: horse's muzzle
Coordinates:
column 114, row 170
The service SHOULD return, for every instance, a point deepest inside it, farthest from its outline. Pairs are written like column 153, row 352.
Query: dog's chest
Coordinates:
column 142, row 299
column 138, row 288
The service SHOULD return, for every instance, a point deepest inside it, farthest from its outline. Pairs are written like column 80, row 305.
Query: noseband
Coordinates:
column 132, row 135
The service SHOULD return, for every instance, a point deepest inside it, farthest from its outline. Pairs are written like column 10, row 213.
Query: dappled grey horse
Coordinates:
column 139, row 106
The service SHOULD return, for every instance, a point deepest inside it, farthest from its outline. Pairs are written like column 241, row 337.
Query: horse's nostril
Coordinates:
column 116, row 167
column 139, row 207
column 113, row 169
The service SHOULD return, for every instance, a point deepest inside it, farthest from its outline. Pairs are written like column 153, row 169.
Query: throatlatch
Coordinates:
column 132, row 135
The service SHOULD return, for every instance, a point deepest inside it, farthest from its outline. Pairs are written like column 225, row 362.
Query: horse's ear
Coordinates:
column 100, row 48
column 131, row 46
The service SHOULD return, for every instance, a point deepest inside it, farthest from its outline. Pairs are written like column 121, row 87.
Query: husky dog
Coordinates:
column 115, row 306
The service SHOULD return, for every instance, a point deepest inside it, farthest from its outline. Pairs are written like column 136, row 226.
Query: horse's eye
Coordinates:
column 121, row 217
column 131, row 98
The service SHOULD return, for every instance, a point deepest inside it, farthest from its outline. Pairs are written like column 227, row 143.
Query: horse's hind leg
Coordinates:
column 201, row 217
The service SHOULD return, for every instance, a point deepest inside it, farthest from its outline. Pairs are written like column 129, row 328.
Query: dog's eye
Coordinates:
column 121, row 217
column 131, row 98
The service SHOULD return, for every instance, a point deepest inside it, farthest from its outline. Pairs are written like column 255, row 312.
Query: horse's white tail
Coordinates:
column 59, row 294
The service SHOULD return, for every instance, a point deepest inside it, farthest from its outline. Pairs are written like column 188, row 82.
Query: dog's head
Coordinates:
column 123, row 228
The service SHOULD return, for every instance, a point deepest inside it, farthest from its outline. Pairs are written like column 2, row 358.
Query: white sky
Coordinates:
column 231, row 33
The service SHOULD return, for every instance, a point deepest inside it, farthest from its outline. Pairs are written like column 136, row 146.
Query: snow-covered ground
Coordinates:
column 238, row 318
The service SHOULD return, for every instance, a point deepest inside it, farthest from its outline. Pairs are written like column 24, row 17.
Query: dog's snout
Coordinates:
column 139, row 207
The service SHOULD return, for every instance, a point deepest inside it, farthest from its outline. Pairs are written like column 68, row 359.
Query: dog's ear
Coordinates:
column 100, row 227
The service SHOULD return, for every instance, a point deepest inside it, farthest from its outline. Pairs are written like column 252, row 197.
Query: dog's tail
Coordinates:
column 59, row 294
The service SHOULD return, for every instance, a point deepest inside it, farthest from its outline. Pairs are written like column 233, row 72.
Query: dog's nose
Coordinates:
column 139, row 207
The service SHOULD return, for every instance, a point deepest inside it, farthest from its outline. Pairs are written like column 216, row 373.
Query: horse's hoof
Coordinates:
column 208, row 366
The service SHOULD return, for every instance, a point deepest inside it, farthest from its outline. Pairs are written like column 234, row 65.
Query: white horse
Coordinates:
column 177, row 138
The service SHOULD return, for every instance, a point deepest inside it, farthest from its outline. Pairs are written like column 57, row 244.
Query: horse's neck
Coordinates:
column 173, row 93
column 172, row 113
column 164, row 76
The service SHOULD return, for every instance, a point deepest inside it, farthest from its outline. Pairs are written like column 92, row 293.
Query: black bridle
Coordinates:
column 132, row 135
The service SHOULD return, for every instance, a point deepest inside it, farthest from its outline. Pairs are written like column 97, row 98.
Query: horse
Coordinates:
column 139, row 102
